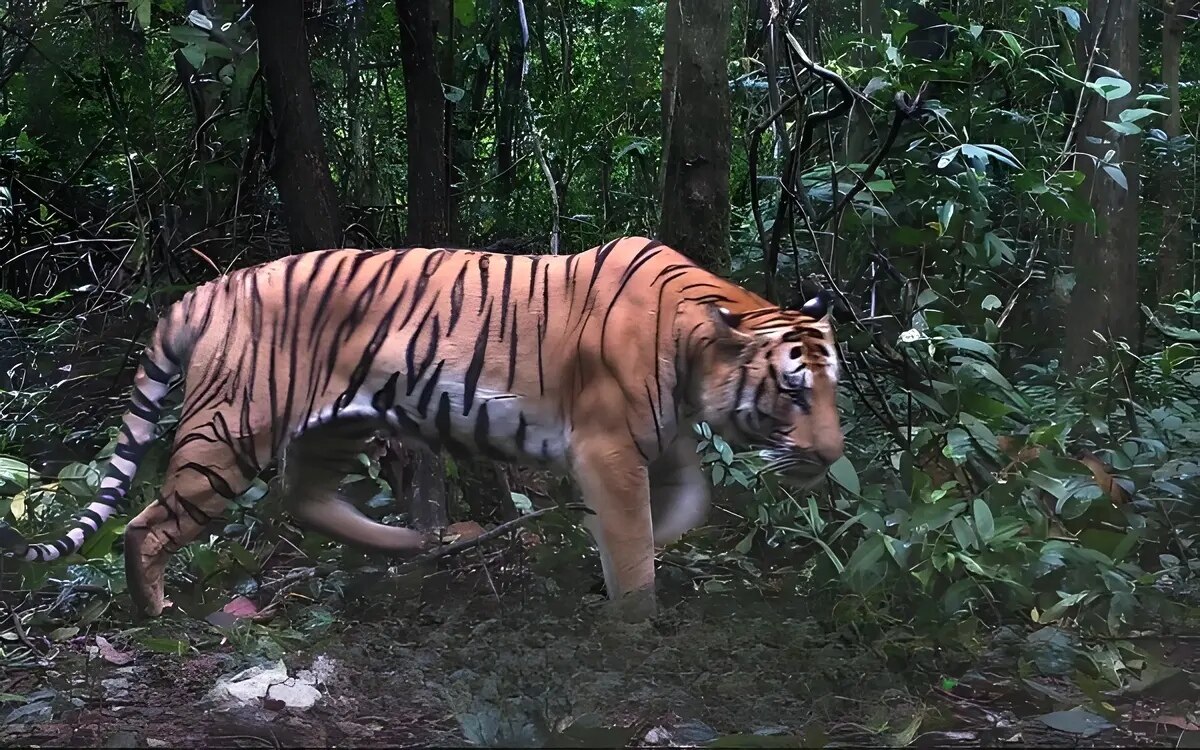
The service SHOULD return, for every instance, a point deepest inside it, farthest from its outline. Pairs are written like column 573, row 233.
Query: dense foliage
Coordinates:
column 984, row 481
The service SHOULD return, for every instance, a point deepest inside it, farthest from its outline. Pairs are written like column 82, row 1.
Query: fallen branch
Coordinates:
column 297, row 576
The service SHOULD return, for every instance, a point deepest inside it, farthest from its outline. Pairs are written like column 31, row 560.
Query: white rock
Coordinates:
column 250, row 686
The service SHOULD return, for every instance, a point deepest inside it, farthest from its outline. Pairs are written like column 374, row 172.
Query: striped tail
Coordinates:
column 163, row 360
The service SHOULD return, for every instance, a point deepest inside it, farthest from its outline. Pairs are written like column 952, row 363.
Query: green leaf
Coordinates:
column 522, row 503
column 188, row 34
column 844, row 473
column 972, row 345
column 141, row 13
column 1116, row 175
column 15, row 476
column 991, row 302
column 1001, row 154
column 946, row 214
column 464, row 12
column 1012, row 43
column 1110, row 88
column 1133, row 115
column 194, row 55
column 1123, row 128
column 985, row 525
column 1070, row 15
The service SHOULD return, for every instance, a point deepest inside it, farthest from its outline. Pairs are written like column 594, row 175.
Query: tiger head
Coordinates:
column 771, row 383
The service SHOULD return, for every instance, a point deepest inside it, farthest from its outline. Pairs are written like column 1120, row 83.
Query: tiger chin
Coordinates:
column 597, row 365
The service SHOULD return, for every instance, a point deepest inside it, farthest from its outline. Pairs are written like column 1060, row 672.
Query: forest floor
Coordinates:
column 501, row 658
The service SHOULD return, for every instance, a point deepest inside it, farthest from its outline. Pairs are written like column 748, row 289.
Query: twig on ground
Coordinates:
column 293, row 578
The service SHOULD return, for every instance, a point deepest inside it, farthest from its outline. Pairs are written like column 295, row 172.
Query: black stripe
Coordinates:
column 456, row 298
column 427, row 391
column 154, row 372
column 471, row 380
column 215, row 480
column 92, row 516
column 386, row 396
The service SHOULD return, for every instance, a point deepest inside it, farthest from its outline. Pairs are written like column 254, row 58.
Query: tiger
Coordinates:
column 597, row 365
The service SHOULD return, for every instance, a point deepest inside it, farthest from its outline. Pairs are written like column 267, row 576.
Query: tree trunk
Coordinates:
column 696, row 131
column 428, row 217
column 1106, row 289
column 428, row 214
column 1175, row 217
column 300, row 169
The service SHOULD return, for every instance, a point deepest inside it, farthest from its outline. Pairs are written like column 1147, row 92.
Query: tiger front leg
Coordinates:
column 616, row 488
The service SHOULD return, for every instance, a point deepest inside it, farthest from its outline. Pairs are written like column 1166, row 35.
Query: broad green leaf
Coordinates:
column 194, row 54
column 844, row 473
column 1116, row 175
column 1070, row 15
column 188, row 34
column 15, row 476
column 1133, row 115
column 1110, row 88
column 141, row 13
column 972, row 345
column 991, row 302
column 985, row 525
column 1124, row 128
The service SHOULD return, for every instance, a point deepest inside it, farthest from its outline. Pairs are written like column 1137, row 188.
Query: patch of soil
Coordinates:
column 482, row 659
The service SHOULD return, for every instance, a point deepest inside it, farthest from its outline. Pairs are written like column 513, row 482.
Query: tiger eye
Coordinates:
column 795, row 352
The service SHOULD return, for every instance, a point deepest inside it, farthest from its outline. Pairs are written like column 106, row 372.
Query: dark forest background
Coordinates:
column 1001, row 193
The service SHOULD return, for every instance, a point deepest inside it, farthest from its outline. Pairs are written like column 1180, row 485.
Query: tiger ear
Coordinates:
column 723, row 317
column 725, row 324
column 819, row 306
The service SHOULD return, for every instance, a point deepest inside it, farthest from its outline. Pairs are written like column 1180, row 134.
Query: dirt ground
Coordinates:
column 483, row 658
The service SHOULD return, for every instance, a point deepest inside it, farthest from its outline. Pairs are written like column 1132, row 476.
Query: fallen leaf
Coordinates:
column 1076, row 721
column 462, row 531
column 1175, row 721
column 110, row 654
column 241, row 607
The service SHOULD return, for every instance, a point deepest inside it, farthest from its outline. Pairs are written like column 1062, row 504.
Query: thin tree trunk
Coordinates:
column 1174, row 214
column 1106, row 289
column 696, row 131
column 426, row 110
column 428, row 213
column 300, row 169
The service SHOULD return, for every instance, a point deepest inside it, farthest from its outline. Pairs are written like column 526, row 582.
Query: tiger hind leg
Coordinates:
column 313, row 466
column 203, row 474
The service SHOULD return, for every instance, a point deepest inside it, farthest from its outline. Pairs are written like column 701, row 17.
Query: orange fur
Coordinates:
column 598, row 364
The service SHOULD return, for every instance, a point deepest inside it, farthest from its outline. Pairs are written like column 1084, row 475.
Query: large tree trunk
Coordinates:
column 428, row 212
column 696, row 131
column 1176, row 219
column 1106, row 289
column 300, row 169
